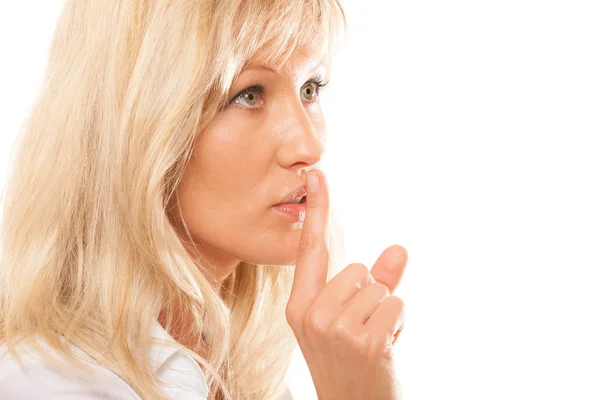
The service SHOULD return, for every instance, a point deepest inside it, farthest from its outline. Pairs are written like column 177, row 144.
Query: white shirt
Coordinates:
column 180, row 376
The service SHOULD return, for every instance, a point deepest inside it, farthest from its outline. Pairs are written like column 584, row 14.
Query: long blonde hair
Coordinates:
column 88, row 252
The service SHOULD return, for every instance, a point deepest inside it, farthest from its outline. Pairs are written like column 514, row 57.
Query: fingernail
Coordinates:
column 313, row 182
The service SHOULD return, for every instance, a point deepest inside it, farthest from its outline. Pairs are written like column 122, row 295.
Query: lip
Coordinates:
column 298, row 192
column 296, row 211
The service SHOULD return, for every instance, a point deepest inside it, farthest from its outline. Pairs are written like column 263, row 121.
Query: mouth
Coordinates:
column 297, row 200
column 298, row 196
column 293, row 205
column 296, row 209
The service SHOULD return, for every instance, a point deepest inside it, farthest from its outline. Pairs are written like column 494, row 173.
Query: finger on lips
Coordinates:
column 313, row 255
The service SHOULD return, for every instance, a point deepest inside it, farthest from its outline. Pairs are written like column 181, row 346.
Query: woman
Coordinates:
column 144, row 243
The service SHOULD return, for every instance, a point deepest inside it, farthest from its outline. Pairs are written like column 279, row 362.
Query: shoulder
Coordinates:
column 36, row 379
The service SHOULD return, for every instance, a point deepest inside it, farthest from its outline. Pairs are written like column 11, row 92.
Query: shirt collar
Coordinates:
column 181, row 378
column 158, row 352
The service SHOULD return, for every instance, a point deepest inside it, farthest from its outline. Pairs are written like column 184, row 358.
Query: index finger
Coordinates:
column 310, row 275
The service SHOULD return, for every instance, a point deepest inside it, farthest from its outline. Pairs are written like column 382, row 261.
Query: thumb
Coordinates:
column 390, row 266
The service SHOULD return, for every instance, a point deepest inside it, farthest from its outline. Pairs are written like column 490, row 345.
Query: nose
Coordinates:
column 303, row 135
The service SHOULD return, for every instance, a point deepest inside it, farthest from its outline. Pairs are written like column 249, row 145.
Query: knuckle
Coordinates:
column 340, row 331
column 360, row 272
column 380, row 289
column 365, row 344
column 395, row 302
column 376, row 344
column 292, row 315
column 360, row 269
column 315, row 323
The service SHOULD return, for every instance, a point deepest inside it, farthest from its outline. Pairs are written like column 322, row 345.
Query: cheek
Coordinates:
column 213, row 195
column 209, row 219
column 230, row 152
column 216, row 172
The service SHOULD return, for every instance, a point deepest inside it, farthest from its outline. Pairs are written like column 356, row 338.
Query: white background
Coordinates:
column 468, row 132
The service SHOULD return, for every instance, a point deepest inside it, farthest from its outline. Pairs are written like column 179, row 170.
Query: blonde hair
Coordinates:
column 89, row 253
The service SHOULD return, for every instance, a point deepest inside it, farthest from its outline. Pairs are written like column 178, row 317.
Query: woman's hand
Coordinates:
column 346, row 328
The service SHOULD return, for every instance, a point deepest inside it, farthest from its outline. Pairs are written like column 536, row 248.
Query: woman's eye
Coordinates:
column 311, row 91
column 249, row 97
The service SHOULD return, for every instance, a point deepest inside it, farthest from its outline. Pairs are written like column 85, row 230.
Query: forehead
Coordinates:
column 300, row 62
column 293, row 69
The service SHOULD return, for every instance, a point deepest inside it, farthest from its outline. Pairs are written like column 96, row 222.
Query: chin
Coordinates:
column 282, row 256
column 287, row 261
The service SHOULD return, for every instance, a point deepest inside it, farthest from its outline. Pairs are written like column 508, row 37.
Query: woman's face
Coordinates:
column 248, row 159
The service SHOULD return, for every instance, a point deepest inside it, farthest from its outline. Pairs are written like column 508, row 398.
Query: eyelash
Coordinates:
column 320, row 83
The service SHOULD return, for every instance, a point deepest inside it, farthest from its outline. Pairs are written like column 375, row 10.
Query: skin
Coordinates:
column 250, row 156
